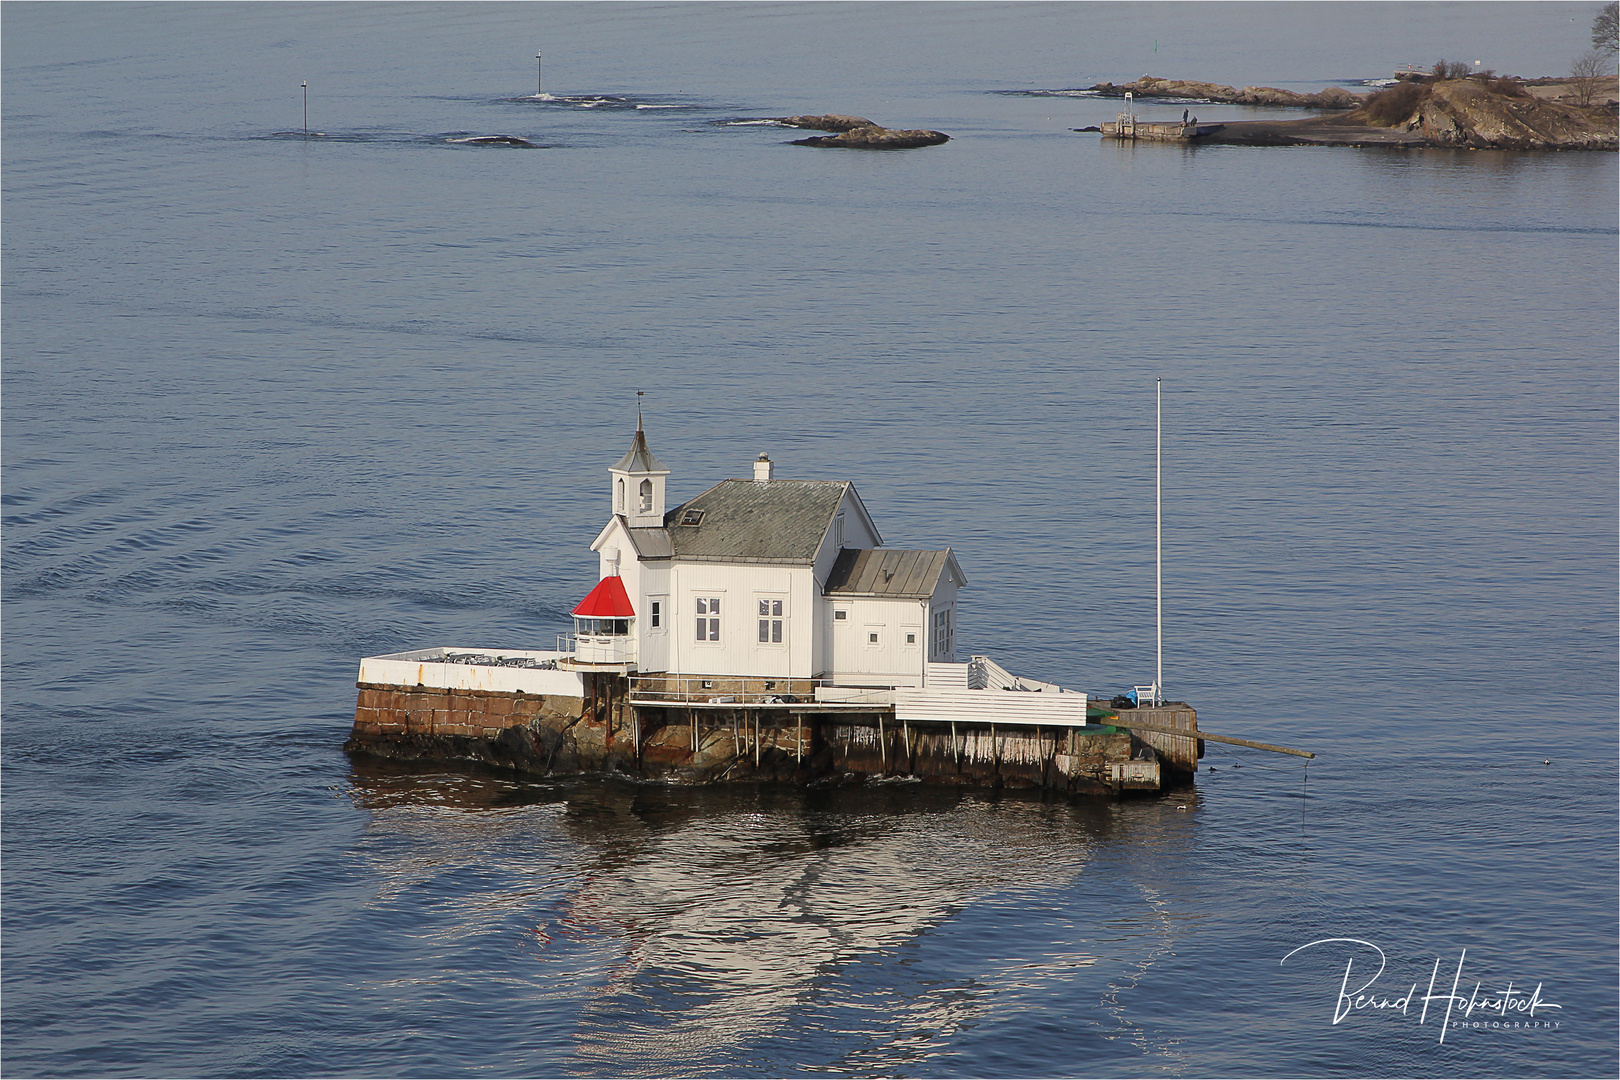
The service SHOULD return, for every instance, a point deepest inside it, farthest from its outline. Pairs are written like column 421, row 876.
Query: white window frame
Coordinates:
column 658, row 614
column 771, row 620
column 708, row 608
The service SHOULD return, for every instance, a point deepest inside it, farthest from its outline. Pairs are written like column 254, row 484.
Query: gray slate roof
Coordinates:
column 890, row 572
column 651, row 543
column 638, row 458
column 755, row 521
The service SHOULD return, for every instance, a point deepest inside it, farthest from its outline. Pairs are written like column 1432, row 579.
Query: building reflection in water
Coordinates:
column 694, row 930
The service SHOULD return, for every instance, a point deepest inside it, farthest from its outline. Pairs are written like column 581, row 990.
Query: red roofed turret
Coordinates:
column 607, row 601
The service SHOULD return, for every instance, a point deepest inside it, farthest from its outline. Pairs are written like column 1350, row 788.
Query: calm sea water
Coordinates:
column 272, row 404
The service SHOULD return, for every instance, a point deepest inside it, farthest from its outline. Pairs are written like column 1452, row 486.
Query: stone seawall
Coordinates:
column 602, row 732
column 532, row 732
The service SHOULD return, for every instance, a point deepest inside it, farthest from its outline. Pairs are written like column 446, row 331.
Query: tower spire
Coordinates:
column 638, row 482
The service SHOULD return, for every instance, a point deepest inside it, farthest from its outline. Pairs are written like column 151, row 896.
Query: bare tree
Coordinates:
column 1606, row 28
column 1586, row 75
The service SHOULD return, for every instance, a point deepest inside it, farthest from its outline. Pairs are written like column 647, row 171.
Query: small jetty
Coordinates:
column 1130, row 127
column 1172, row 132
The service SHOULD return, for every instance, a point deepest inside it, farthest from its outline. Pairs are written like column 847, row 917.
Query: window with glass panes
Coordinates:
column 770, row 621
column 708, row 618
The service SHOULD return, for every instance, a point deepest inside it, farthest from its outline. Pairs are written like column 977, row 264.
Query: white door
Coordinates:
column 846, row 649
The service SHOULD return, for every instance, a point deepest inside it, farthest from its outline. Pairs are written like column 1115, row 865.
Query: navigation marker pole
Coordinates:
column 536, row 74
column 1158, row 529
column 306, row 108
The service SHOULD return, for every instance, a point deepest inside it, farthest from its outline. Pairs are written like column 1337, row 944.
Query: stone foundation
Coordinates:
column 601, row 732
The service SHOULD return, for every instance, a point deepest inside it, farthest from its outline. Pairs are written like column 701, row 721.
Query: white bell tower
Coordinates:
column 638, row 484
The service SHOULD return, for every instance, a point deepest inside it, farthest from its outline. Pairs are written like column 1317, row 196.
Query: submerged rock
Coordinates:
column 495, row 140
column 877, row 138
column 829, row 122
column 859, row 133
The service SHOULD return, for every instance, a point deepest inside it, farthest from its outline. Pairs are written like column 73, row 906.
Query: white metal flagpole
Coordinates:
column 1158, row 530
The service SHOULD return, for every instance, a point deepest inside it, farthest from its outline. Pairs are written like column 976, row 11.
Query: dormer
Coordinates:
column 638, row 485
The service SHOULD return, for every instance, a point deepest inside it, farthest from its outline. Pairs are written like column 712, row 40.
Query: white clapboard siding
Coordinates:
column 945, row 676
column 425, row 668
column 985, row 674
column 990, row 707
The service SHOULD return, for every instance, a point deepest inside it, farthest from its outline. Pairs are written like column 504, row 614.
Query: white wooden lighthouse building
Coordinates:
column 760, row 578
column 757, row 627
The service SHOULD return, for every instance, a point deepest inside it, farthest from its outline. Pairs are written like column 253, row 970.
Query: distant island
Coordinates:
column 1474, row 112
column 1150, row 86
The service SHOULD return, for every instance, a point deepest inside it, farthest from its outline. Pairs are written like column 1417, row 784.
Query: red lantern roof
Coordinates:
column 607, row 601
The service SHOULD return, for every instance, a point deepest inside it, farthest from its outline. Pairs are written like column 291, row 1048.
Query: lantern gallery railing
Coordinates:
column 598, row 648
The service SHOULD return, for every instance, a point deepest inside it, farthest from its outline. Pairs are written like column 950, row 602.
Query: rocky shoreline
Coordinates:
column 1149, row 86
column 1459, row 113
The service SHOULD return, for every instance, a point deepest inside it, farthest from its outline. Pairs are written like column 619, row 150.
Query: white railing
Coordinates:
column 598, row 648
column 978, row 691
column 751, row 691
column 856, row 695
column 723, row 690
column 985, row 674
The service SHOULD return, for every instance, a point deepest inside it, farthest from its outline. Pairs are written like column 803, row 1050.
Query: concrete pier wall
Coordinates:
column 1178, row 754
